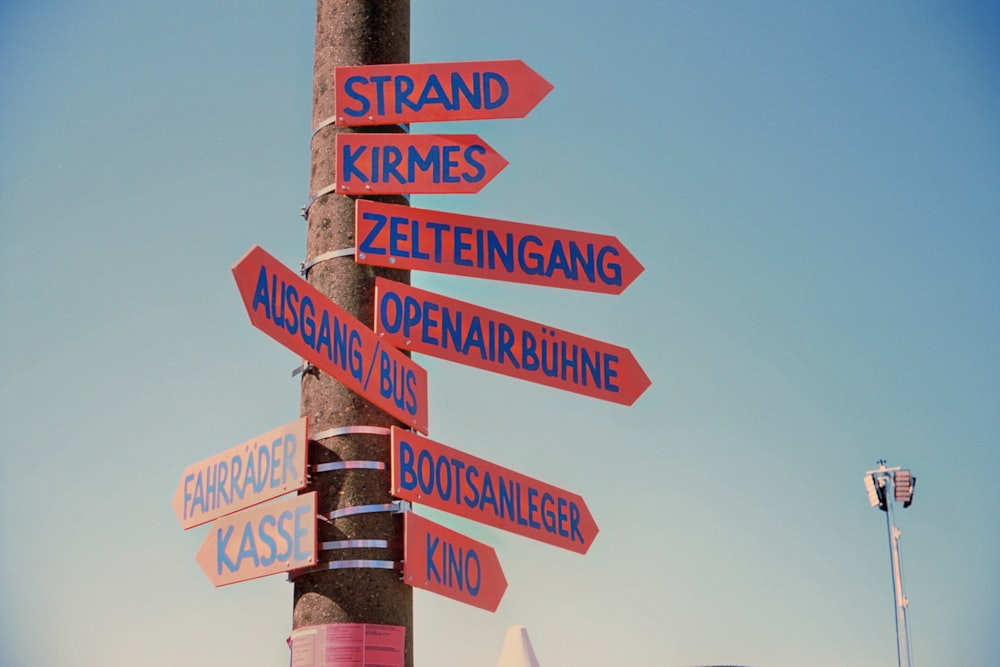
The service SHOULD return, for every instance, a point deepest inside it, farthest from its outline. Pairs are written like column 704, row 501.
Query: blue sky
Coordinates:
column 815, row 195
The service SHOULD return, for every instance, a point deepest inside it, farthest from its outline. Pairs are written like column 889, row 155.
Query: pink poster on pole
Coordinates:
column 348, row 645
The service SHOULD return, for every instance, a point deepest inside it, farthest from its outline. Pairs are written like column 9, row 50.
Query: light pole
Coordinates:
column 883, row 486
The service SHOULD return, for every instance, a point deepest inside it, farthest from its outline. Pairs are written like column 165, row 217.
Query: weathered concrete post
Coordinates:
column 349, row 32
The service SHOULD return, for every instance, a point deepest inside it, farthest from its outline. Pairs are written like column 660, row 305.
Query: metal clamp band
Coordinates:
column 395, row 507
column 348, row 564
column 305, row 265
column 348, row 465
column 359, row 544
column 304, row 211
column 305, row 368
column 350, row 430
column 329, row 121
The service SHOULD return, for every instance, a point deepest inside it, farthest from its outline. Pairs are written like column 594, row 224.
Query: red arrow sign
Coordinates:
column 300, row 317
column 445, row 562
column 267, row 539
column 258, row 470
column 412, row 93
column 414, row 164
column 463, row 245
column 422, row 321
column 427, row 472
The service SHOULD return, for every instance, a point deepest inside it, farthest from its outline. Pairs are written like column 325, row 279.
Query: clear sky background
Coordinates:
column 813, row 190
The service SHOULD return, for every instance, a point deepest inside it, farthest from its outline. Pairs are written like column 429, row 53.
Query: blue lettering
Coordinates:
column 449, row 163
column 260, row 293
column 397, row 234
column 472, row 557
column 380, row 82
column 433, row 93
column 301, row 531
column 221, row 545
column 561, row 506
column 473, row 96
column 235, row 488
column 266, row 520
column 274, row 481
column 430, row 323
column 496, row 90
column 407, row 474
column 426, row 480
column 479, row 170
column 285, row 535
column 349, row 85
column 471, row 473
column 533, row 507
column 248, row 548
column 610, row 272
column 433, row 574
column 187, row 496
column 367, row 245
column 348, row 159
column 404, row 86
column 489, row 496
column 431, row 162
column 308, row 330
column 390, row 324
column 287, row 459
column 537, row 264
column 355, row 349
column 610, row 373
column 444, row 484
column 223, row 473
column 461, row 246
column 411, row 392
column 574, row 523
column 263, row 469
column 391, row 159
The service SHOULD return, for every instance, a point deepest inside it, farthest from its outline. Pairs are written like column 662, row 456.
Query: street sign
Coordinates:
column 255, row 471
column 421, row 321
column 438, row 476
column 445, row 562
column 267, row 539
column 409, row 238
column 418, row 92
column 300, row 317
column 414, row 164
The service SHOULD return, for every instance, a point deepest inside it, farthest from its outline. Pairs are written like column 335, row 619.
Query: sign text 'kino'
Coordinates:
column 445, row 562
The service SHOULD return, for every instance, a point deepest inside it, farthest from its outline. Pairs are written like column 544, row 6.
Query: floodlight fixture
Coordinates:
column 877, row 485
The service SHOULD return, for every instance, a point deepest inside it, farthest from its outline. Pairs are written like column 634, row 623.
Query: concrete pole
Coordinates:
column 349, row 32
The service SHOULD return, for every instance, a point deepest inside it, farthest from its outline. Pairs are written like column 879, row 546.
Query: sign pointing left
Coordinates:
column 267, row 539
column 250, row 473
column 307, row 322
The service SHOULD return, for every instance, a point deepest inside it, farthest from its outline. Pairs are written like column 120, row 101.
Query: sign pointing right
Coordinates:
column 427, row 472
column 404, row 237
column 420, row 321
column 418, row 92
column 445, row 562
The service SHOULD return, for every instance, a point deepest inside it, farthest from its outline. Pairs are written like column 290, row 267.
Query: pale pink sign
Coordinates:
column 348, row 645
